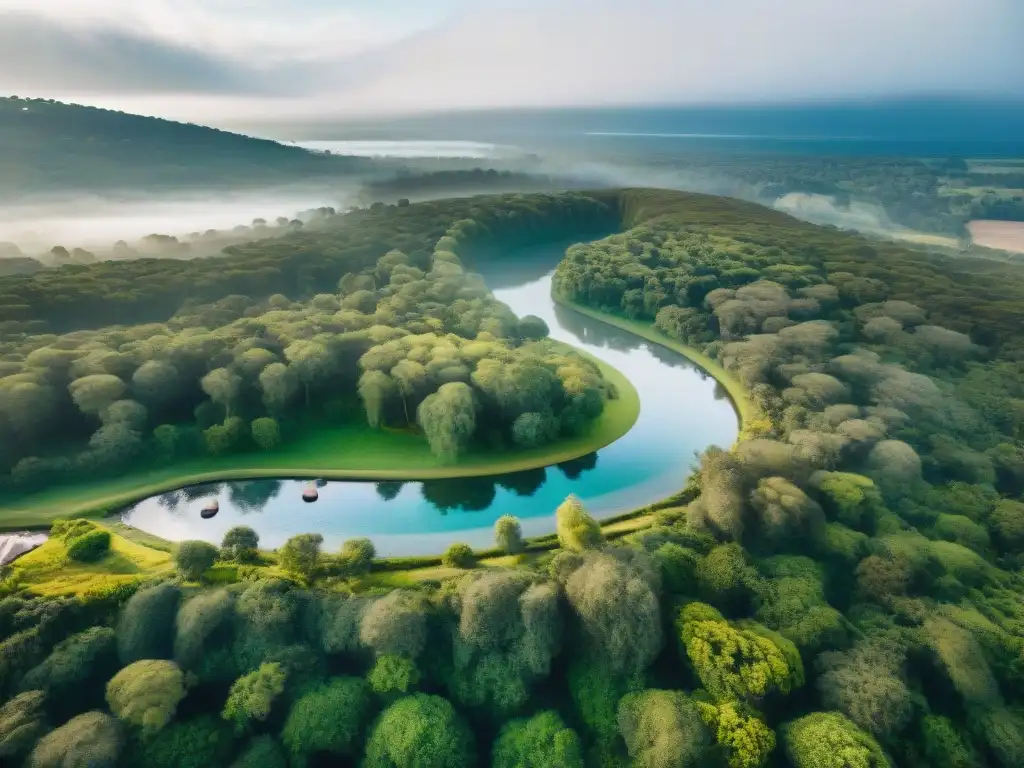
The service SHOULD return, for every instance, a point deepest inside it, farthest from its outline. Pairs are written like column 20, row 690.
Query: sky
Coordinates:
column 217, row 59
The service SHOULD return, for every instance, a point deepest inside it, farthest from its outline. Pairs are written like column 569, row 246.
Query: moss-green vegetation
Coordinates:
column 352, row 452
column 841, row 588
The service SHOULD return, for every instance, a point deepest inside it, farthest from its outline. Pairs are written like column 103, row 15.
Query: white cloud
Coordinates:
column 346, row 56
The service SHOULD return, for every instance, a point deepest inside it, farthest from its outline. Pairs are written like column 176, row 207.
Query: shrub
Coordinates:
column 194, row 558
column 458, row 555
column 90, row 546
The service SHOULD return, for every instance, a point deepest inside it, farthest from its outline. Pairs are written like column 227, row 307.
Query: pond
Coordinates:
column 682, row 411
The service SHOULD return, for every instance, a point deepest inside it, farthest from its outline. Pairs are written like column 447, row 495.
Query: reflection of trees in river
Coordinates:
column 523, row 483
column 590, row 331
column 389, row 489
column 470, row 494
column 201, row 491
column 252, row 495
column 574, row 468
column 171, row 499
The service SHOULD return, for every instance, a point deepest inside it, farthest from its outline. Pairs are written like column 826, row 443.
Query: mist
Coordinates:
column 96, row 222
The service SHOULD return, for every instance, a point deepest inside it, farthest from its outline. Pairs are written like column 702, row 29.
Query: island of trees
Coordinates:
column 841, row 588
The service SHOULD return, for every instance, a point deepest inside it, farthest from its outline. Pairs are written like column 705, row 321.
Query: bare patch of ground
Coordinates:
column 1005, row 235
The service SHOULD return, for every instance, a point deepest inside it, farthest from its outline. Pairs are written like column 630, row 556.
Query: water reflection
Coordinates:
column 682, row 411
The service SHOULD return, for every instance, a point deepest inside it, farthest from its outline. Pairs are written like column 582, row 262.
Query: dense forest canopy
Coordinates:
column 409, row 340
column 842, row 588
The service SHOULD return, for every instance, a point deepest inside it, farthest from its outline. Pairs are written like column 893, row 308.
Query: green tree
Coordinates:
column 508, row 534
column 393, row 675
column 829, row 740
column 240, row 543
column 77, row 666
column 458, row 555
column 662, row 729
column 202, row 642
column 618, row 611
column 266, row 433
column 278, row 384
column 22, row 722
column 92, row 740
column 263, row 752
column 146, row 694
column 395, row 624
column 943, row 746
column 542, row 741
column 252, row 696
column 94, row 393
column 223, row 386
column 90, row 547
column 357, row 555
column 145, row 629
column 327, row 718
column 577, row 531
column 1007, row 523
column 218, row 440
column 747, row 741
column 198, row 743
column 744, row 662
column 377, row 390
column 300, row 555
column 419, row 731
column 194, row 558
column 448, row 419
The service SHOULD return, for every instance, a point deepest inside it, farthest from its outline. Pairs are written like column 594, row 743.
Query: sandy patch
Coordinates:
column 1005, row 235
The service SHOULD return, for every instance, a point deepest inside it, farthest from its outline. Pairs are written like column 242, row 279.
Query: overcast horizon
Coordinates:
column 223, row 60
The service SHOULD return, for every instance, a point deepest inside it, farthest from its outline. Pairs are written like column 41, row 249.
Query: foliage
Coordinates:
column 542, row 741
column 145, row 628
column 92, row 740
column 508, row 534
column 393, row 675
column 829, row 740
column 662, row 729
column 419, row 730
column 577, row 531
column 252, row 696
column 327, row 718
column 458, row 555
column 194, row 558
column 22, row 722
column 240, row 543
column 145, row 694
column 300, row 555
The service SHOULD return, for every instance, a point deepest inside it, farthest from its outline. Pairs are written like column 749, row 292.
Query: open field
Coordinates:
column 351, row 452
column 1005, row 235
column 48, row 571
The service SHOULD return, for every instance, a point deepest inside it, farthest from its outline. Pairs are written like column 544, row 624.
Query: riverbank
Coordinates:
column 350, row 452
column 738, row 394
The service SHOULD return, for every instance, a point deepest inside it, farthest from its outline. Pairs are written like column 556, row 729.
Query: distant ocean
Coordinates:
column 911, row 127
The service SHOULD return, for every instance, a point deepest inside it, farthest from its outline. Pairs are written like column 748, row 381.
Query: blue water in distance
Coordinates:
column 683, row 411
column 906, row 127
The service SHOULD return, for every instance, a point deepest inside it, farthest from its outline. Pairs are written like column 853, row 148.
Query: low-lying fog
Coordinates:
column 96, row 223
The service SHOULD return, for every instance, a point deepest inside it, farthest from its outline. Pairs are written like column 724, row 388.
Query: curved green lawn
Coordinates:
column 349, row 452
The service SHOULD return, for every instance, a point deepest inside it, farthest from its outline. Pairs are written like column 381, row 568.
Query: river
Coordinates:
column 682, row 412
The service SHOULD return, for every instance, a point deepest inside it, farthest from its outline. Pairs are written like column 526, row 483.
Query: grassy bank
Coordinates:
column 350, row 452
column 737, row 392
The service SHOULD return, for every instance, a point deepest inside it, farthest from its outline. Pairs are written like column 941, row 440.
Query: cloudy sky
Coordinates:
column 306, row 58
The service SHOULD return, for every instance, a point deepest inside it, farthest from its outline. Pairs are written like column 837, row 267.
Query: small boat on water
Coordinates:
column 210, row 510
column 311, row 494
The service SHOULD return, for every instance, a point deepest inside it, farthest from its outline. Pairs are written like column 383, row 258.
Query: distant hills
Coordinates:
column 49, row 146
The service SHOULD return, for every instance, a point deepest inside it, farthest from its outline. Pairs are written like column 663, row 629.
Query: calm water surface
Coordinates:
column 682, row 412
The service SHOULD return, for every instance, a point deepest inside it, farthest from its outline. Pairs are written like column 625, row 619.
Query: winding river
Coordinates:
column 683, row 411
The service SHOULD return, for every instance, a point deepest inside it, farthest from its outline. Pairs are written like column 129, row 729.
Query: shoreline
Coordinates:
column 37, row 511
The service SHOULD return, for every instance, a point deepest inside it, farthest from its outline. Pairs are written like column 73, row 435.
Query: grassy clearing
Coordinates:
column 48, row 571
column 351, row 452
column 737, row 392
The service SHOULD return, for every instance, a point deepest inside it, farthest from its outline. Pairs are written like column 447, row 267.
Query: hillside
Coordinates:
column 48, row 146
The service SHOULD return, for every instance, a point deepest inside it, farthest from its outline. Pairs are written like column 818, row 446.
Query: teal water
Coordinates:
column 683, row 411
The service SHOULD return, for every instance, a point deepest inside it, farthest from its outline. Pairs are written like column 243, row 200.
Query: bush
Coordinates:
column 508, row 535
column 194, row 558
column 241, row 543
column 458, row 555
column 90, row 546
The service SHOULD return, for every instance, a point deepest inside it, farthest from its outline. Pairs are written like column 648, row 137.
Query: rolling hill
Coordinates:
column 49, row 146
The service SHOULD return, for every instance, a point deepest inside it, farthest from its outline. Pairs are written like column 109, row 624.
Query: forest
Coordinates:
column 840, row 589
column 406, row 341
